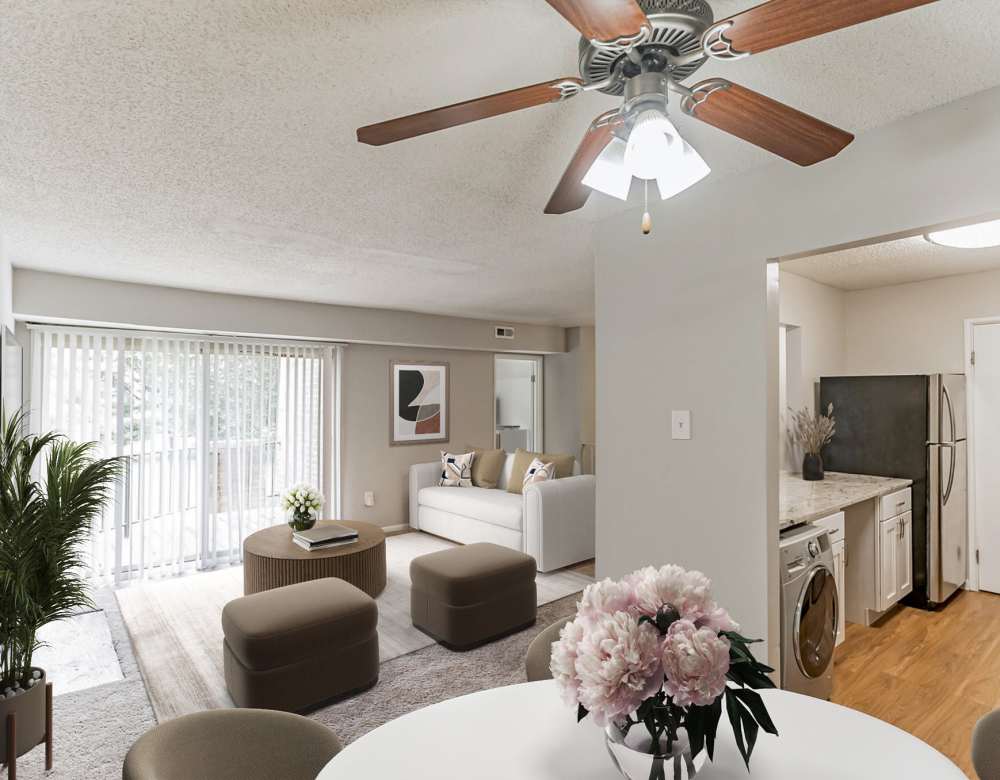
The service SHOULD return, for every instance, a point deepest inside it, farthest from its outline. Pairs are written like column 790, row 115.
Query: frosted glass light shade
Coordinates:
column 609, row 174
column 681, row 171
column 981, row 236
column 649, row 144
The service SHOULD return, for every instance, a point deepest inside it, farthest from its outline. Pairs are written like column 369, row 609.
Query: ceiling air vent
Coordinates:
column 504, row 332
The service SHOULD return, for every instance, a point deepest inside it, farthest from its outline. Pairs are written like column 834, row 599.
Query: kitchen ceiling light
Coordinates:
column 609, row 174
column 981, row 236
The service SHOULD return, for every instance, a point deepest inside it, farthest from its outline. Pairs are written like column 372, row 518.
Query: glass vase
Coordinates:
column 301, row 519
column 634, row 757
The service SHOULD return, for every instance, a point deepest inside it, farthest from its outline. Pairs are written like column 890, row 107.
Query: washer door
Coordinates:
column 815, row 633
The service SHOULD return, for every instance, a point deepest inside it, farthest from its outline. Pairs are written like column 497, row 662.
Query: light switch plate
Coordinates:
column 369, row 498
column 680, row 424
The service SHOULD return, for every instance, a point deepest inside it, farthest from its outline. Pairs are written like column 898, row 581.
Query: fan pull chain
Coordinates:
column 647, row 220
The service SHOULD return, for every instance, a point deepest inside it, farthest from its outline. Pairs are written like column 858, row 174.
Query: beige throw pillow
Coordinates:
column 523, row 458
column 539, row 472
column 456, row 470
column 487, row 466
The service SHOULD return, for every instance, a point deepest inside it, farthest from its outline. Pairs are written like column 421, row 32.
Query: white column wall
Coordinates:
column 684, row 321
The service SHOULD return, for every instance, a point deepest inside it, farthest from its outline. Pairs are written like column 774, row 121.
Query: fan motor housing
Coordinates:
column 677, row 29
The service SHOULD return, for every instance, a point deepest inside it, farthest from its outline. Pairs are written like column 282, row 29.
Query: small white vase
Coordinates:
column 635, row 758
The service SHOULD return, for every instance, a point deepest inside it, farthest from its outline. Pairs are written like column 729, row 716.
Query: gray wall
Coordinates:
column 569, row 396
column 688, row 319
column 368, row 462
column 42, row 295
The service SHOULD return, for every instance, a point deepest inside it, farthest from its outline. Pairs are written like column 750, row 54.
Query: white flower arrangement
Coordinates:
column 302, row 500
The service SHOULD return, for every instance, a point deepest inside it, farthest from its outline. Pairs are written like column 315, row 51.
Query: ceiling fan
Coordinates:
column 643, row 50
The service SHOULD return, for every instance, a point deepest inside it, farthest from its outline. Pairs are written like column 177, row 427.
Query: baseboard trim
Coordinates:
column 396, row 529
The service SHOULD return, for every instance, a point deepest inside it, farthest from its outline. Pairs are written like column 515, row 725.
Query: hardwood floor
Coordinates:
column 933, row 674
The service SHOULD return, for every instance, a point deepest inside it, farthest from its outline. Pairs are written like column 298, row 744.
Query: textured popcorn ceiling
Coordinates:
column 892, row 262
column 211, row 144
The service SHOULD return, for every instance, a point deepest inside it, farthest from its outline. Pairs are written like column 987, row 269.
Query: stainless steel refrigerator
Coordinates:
column 911, row 427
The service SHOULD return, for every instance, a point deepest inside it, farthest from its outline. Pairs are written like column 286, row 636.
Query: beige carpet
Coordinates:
column 176, row 629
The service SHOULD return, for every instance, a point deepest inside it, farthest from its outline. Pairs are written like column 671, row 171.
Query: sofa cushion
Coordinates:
column 456, row 470
column 539, row 472
column 522, row 460
column 496, row 507
column 487, row 466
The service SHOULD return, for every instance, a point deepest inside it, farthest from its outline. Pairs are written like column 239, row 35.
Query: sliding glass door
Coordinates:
column 212, row 431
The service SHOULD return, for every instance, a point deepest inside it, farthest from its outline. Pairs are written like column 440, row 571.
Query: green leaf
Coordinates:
column 581, row 712
column 735, row 712
column 755, row 704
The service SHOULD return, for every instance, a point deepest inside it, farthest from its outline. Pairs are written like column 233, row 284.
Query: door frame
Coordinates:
column 972, row 582
column 538, row 397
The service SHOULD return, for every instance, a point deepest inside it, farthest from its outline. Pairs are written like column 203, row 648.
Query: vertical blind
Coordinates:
column 212, row 431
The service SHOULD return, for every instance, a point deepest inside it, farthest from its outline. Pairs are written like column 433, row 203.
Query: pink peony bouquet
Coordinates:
column 655, row 650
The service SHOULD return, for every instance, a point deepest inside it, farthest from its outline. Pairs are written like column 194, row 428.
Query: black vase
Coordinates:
column 812, row 467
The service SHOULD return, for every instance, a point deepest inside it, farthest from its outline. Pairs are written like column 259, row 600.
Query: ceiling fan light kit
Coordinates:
column 645, row 49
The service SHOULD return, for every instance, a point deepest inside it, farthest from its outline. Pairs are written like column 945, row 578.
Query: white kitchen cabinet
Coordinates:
column 895, row 559
column 840, row 577
column 904, row 559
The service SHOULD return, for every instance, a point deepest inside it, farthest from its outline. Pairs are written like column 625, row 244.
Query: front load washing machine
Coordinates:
column 808, row 612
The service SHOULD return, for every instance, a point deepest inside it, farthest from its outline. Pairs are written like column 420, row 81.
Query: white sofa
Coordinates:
column 551, row 521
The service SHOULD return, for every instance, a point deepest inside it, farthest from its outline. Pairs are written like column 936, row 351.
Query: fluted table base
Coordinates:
column 272, row 560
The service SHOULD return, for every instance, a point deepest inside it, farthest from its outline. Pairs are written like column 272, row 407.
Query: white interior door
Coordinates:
column 986, row 407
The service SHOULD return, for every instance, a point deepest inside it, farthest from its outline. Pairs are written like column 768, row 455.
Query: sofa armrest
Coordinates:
column 559, row 521
column 421, row 475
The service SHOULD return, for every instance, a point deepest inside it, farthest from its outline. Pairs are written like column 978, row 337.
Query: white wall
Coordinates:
column 818, row 312
column 686, row 320
column 917, row 328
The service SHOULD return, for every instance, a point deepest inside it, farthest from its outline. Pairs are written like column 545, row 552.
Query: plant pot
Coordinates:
column 301, row 521
column 633, row 755
column 812, row 467
column 29, row 711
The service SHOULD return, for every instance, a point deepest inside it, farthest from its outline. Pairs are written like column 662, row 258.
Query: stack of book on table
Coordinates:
column 324, row 537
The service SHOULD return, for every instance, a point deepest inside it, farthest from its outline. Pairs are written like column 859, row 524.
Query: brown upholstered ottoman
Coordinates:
column 466, row 596
column 295, row 647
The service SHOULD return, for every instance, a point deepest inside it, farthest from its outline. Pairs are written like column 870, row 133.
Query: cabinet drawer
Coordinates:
column 897, row 503
column 834, row 525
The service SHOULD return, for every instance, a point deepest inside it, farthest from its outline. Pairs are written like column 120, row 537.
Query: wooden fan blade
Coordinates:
column 463, row 113
column 603, row 20
column 764, row 122
column 571, row 193
column 781, row 22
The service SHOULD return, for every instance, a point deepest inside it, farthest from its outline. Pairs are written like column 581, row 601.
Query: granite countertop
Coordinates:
column 802, row 501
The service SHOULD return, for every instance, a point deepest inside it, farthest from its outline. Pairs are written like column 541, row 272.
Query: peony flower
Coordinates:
column 605, row 598
column 618, row 665
column 690, row 592
column 695, row 662
column 562, row 664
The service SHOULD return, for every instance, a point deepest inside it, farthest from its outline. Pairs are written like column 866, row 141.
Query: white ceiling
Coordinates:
column 892, row 262
column 211, row 144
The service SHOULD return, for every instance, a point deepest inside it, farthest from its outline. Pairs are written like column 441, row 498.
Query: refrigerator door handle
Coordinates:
column 951, row 474
column 951, row 411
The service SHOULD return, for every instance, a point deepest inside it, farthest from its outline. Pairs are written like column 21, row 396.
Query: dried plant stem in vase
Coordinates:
column 812, row 434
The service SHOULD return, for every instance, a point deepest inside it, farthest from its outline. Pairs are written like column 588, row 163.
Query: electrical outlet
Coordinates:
column 369, row 498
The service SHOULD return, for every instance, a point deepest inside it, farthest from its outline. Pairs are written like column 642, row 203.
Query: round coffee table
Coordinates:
column 271, row 559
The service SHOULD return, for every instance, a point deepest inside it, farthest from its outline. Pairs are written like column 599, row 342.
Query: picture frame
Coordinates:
column 419, row 402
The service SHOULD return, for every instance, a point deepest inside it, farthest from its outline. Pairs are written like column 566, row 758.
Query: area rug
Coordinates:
column 176, row 629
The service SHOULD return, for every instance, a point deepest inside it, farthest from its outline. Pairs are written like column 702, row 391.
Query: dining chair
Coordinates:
column 986, row 746
column 536, row 663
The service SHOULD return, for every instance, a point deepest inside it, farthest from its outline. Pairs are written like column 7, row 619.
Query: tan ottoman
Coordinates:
column 232, row 745
column 466, row 596
column 299, row 646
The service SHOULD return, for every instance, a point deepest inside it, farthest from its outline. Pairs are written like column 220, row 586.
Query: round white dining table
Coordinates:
column 525, row 732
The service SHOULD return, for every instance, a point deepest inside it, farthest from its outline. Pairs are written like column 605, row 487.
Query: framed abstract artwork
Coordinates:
column 418, row 403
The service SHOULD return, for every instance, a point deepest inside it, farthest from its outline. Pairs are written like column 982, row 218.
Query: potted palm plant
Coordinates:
column 51, row 490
